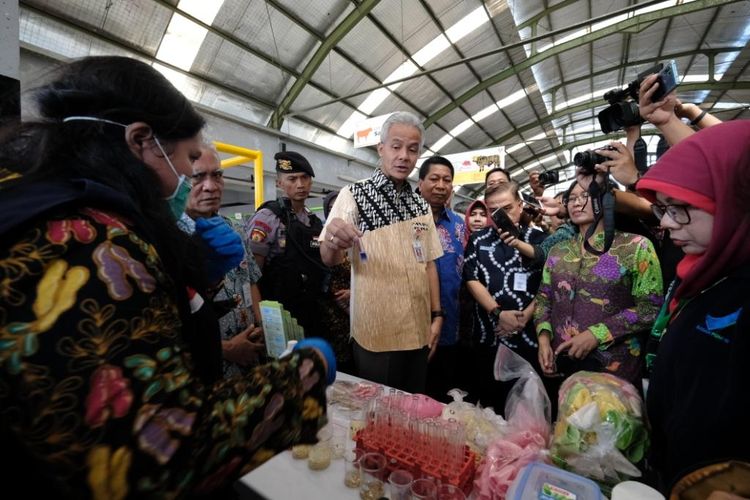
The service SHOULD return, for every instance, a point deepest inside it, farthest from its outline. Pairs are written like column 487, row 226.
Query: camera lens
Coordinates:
column 586, row 160
column 549, row 178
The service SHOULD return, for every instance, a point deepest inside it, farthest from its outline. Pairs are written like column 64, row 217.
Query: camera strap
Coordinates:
column 603, row 205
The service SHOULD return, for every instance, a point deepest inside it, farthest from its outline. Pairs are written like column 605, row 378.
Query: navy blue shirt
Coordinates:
column 495, row 265
column 450, row 229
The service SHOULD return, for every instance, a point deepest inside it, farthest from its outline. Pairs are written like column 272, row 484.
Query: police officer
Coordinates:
column 283, row 238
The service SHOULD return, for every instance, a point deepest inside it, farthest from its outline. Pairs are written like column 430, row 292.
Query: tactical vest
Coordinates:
column 296, row 276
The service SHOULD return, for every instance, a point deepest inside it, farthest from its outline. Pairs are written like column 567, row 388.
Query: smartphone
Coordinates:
column 504, row 224
column 667, row 81
column 530, row 200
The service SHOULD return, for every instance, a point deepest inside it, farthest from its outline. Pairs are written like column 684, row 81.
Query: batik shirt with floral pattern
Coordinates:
column 616, row 296
column 235, row 287
column 96, row 382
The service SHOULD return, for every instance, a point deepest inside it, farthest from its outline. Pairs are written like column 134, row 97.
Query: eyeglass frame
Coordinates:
column 198, row 178
column 660, row 210
column 584, row 198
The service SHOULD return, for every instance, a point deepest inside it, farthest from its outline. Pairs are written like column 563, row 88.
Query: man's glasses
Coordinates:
column 216, row 176
column 678, row 213
column 583, row 198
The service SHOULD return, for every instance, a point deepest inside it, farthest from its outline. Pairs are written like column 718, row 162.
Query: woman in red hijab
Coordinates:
column 698, row 400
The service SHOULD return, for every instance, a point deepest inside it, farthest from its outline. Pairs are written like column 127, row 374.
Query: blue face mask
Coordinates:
column 179, row 197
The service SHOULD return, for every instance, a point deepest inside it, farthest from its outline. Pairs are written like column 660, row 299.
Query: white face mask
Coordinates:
column 179, row 197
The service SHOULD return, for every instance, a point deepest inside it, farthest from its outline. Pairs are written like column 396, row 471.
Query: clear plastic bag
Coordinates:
column 600, row 432
column 527, row 411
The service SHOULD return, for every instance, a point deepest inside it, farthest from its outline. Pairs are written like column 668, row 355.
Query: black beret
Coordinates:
column 289, row 162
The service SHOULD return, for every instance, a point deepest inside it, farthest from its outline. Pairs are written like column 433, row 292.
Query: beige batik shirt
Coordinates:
column 390, row 292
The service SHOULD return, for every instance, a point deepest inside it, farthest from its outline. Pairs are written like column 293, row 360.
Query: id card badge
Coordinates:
column 418, row 250
column 520, row 281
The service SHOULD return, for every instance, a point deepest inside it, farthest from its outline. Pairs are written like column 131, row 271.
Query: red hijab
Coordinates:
column 711, row 171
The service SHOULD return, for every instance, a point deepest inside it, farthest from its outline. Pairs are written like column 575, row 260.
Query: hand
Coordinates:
column 509, row 239
column 341, row 235
column 434, row 336
column 536, row 187
column 551, row 206
column 621, row 164
column 240, row 349
column 660, row 112
column 224, row 249
column 255, row 334
column 509, row 323
column 342, row 298
column 579, row 346
column 546, row 356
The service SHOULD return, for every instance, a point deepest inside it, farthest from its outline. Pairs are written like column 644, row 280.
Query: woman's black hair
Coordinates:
column 121, row 90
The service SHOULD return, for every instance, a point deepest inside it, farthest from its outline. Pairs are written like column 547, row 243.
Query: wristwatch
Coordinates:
column 495, row 313
column 437, row 314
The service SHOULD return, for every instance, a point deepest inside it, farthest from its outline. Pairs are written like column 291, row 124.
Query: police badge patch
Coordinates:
column 257, row 235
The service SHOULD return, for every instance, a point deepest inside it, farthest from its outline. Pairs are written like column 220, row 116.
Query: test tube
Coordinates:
column 353, row 218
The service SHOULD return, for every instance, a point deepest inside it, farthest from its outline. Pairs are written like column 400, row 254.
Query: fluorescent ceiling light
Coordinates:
column 515, row 148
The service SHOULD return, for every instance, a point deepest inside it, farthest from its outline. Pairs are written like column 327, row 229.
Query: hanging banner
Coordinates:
column 367, row 132
column 471, row 166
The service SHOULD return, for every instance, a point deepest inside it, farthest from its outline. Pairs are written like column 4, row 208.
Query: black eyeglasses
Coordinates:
column 678, row 213
column 216, row 175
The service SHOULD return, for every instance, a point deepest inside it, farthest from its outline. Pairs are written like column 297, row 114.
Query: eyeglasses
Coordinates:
column 216, row 176
column 583, row 198
column 678, row 213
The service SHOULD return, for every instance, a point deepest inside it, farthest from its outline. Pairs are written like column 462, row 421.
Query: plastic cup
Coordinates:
column 372, row 470
column 450, row 492
column 338, row 440
column 398, row 484
column 352, row 477
column 422, row 489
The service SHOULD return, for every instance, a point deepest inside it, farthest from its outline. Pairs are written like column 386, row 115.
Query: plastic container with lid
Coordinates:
column 539, row 481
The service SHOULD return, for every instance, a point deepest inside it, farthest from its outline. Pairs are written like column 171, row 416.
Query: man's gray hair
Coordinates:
column 211, row 147
column 402, row 118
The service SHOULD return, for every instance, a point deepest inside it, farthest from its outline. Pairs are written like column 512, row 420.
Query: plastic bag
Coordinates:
column 527, row 411
column 600, row 431
column 482, row 424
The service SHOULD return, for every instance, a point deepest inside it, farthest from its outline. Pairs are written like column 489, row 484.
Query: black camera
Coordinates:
column 549, row 177
column 586, row 160
column 623, row 106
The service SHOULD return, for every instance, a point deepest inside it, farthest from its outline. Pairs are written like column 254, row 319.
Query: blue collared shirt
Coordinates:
column 450, row 227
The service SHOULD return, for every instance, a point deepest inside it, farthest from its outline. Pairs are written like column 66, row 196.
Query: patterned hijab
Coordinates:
column 474, row 204
column 709, row 170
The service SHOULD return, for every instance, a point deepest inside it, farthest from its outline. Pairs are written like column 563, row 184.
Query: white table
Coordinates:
column 286, row 478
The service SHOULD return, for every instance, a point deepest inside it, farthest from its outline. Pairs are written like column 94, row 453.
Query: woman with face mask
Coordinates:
column 103, row 391
column 697, row 398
